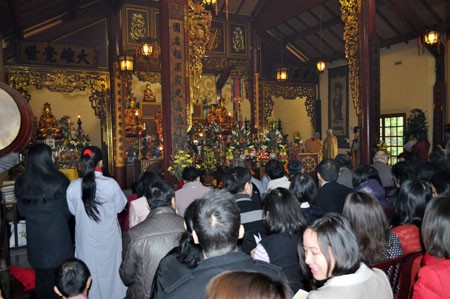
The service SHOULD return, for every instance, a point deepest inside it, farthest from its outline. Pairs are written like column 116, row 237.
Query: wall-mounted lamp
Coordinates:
column 126, row 63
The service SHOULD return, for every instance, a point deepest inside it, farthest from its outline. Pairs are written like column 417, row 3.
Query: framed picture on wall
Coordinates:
column 216, row 43
column 338, row 104
column 137, row 25
column 238, row 40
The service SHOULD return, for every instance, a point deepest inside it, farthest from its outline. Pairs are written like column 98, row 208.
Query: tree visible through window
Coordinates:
column 392, row 127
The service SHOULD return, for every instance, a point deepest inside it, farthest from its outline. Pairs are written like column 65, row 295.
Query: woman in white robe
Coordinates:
column 95, row 201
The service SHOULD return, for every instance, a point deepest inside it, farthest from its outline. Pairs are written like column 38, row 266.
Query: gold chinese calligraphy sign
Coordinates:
column 57, row 54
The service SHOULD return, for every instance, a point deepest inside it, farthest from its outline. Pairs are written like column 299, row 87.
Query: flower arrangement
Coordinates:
column 73, row 141
column 382, row 146
column 283, row 156
column 179, row 161
column 209, row 161
column 241, row 139
column 273, row 139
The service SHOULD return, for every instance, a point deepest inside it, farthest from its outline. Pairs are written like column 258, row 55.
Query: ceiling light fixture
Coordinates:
column 431, row 37
column 282, row 72
column 320, row 64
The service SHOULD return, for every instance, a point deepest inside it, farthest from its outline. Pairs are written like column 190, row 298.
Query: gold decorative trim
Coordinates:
column 350, row 11
column 119, row 98
column 148, row 76
column 64, row 80
column 290, row 91
column 199, row 31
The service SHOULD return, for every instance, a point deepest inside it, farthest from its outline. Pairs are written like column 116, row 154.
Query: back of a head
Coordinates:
column 410, row 204
column 420, row 135
column 404, row 170
column 274, row 169
column 246, row 285
column 39, row 160
column 434, row 230
column 380, row 156
column 304, row 188
column 160, row 194
column 328, row 170
column 190, row 174
column 335, row 234
column 364, row 173
column 427, row 170
column 369, row 223
column 71, row 277
column 217, row 223
column 295, row 167
column 238, row 162
column 189, row 253
column 343, row 161
column 235, row 179
column 282, row 213
column 437, row 157
column 145, row 180
column 441, row 182
column 90, row 158
column 38, row 180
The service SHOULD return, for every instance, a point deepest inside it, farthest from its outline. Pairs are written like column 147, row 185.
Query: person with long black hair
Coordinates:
column 41, row 199
column 95, row 200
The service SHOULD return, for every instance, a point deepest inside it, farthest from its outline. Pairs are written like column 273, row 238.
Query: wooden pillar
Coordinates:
column 369, row 81
column 439, row 95
column 174, row 79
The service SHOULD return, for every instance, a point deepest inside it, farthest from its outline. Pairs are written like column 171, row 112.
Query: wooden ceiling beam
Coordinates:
column 412, row 18
column 16, row 17
column 85, row 17
column 313, row 30
column 275, row 12
column 74, row 7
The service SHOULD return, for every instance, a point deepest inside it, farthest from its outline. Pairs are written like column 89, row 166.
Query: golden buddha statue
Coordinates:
column 223, row 117
column 132, row 118
column 211, row 116
column 148, row 94
column 48, row 124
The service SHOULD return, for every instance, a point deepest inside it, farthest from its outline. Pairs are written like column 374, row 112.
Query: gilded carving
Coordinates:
column 290, row 91
column 238, row 40
column 147, row 76
column 199, row 34
column 58, row 80
column 137, row 27
column 350, row 10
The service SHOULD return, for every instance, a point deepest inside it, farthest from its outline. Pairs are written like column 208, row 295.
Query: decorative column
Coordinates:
column 174, row 77
column 361, row 49
column 119, row 97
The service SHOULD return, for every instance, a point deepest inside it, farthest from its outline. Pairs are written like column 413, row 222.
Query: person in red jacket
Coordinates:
column 432, row 282
column 421, row 144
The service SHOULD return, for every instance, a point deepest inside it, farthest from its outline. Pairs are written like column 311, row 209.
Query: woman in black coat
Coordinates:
column 41, row 199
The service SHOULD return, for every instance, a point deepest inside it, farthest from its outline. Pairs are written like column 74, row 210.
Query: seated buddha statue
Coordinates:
column 132, row 118
column 48, row 124
column 148, row 94
column 211, row 116
column 223, row 117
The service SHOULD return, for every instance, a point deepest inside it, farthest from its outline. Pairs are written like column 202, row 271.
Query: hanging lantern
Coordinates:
column 126, row 63
column 431, row 37
column 282, row 74
column 147, row 48
column 321, row 66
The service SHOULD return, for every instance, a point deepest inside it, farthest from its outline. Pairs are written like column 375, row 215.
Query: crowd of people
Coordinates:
column 314, row 235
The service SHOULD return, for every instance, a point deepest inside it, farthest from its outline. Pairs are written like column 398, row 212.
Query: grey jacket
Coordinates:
column 144, row 246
